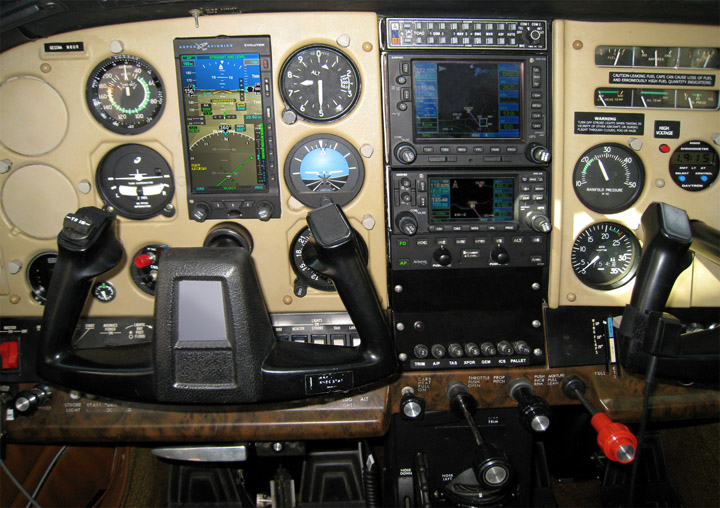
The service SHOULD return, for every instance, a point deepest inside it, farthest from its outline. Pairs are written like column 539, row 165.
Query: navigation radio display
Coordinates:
column 223, row 113
column 454, row 199
column 467, row 99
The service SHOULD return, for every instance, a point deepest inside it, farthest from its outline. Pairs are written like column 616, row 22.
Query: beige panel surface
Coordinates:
column 86, row 142
column 574, row 84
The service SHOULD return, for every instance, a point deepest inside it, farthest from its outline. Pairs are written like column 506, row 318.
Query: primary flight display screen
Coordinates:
column 471, row 199
column 467, row 99
column 223, row 121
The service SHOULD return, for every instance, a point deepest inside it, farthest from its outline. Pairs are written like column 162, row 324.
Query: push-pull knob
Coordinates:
column 535, row 412
column 28, row 401
column 614, row 439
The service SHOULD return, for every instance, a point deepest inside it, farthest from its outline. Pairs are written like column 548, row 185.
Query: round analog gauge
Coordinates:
column 307, row 277
column 605, row 256
column 319, row 83
column 125, row 94
column 322, row 166
column 136, row 182
column 39, row 272
column 694, row 165
column 608, row 178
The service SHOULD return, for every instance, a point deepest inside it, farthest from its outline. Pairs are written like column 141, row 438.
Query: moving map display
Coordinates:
column 471, row 199
column 464, row 100
column 222, row 98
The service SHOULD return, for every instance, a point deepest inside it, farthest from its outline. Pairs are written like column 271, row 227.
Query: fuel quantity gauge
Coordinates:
column 605, row 256
column 613, row 56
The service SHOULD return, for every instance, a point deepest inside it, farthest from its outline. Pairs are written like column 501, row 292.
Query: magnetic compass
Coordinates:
column 324, row 165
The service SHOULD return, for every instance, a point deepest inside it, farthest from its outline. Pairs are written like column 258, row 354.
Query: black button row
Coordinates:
column 232, row 205
column 333, row 339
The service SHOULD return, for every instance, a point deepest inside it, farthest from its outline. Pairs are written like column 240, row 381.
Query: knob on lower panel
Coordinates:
column 535, row 412
column 407, row 223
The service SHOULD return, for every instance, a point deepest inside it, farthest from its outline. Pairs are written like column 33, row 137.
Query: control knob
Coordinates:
column 535, row 412
column 500, row 255
column 537, row 153
column 265, row 211
column 538, row 222
column 200, row 212
column 406, row 153
column 442, row 256
column 407, row 223
column 28, row 401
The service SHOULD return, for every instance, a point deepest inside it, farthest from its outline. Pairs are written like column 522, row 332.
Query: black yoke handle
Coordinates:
column 243, row 364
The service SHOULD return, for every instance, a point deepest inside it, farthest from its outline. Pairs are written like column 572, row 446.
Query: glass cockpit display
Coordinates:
column 471, row 199
column 222, row 97
column 467, row 100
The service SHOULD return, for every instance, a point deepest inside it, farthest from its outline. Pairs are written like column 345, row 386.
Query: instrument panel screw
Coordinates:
column 398, row 289
column 5, row 166
column 536, row 323
column 400, row 327
column 659, row 183
column 537, row 351
column 535, row 286
column 277, row 447
column 402, row 357
column 577, row 44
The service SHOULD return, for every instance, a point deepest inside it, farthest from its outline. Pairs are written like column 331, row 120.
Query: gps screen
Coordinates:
column 464, row 100
column 471, row 199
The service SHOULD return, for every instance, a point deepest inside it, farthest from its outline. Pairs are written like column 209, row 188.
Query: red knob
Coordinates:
column 614, row 439
column 144, row 260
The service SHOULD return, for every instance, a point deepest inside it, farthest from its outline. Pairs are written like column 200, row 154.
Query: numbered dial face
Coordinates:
column 608, row 178
column 319, row 83
column 39, row 273
column 321, row 166
column 125, row 94
column 136, row 181
column 307, row 277
column 605, row 256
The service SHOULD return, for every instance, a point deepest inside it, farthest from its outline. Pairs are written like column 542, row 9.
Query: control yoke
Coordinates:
column 214, row 342
column 645, row 330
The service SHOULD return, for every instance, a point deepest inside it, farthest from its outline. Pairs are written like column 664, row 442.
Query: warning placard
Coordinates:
column 609, row 123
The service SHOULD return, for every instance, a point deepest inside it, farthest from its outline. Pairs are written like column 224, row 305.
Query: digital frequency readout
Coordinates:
column 467, row 100
column 471, row 199
column 224, row 123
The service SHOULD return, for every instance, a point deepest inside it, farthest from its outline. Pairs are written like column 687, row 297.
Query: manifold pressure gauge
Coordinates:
column 319, row 83
column 605, row 256
column 125, row 94
column 608, row 178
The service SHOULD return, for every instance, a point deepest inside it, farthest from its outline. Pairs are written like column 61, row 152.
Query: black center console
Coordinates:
column 467, row 119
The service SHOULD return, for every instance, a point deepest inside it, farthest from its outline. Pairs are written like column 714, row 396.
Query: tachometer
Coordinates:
column 319, row 83
column 605, row 256
column 125, row 94
column 608, row 178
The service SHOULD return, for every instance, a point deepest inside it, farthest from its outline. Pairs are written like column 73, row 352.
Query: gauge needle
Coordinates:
column 127, row 91
column 690, row 101
column 656, row 58
column 602, row 99
column 707, row 60
column 307, row 82
column 594, row 260
column 604, row 172
column 125, row 71
column 320, row 94
column 643, row 101
column 617, row 57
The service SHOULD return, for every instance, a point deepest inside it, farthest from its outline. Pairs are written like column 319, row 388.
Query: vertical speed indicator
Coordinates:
column 605, row 256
